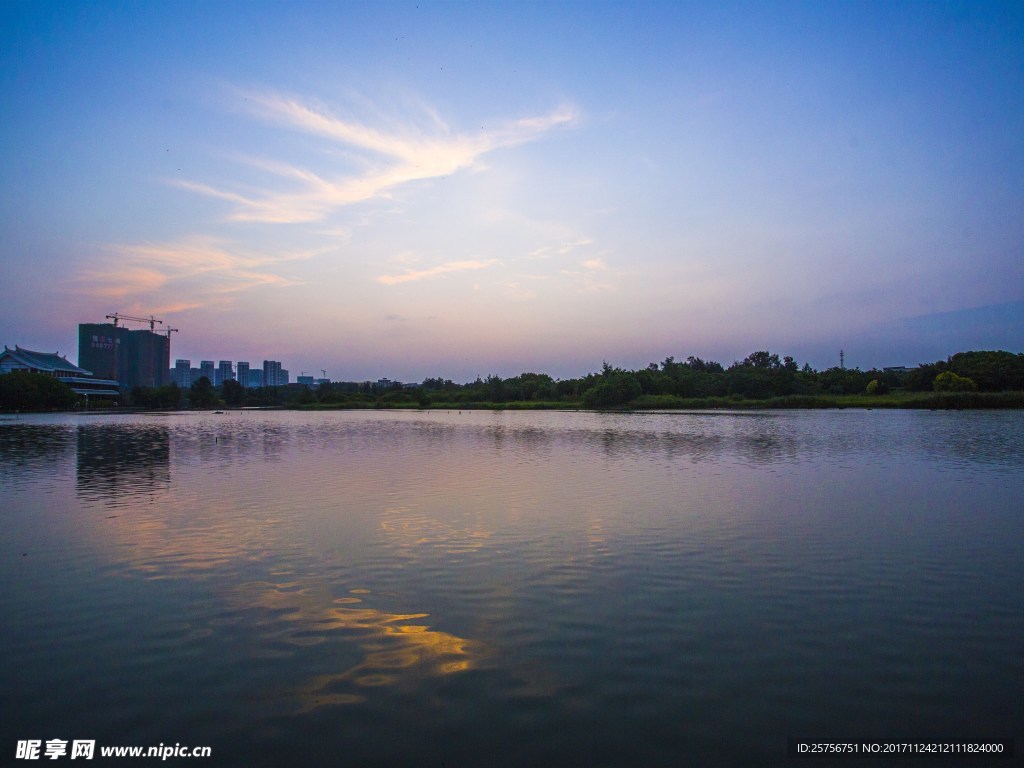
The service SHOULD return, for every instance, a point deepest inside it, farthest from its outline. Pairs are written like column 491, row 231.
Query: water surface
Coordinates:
column 476, row 588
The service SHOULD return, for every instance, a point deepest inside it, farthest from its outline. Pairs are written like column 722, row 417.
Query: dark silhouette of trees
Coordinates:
column 615, row 387
column 168, row 396
column 760, row 376
column 202, row 394
column 948, row 381
column 233, row 393
column 24, row 391
column 991, row 371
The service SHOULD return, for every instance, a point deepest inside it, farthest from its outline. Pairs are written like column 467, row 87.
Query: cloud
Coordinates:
column 594, row 276
column 389, row 156
column 547, row 251
column 422, row 274
column 193, row 272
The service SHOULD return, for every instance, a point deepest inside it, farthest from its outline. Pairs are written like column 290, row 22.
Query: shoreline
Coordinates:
column 948, row 401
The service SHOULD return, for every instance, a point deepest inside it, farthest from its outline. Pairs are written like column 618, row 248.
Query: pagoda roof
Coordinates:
column 48, row 362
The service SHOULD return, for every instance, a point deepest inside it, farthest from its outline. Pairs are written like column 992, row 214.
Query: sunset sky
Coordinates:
column 460, row 189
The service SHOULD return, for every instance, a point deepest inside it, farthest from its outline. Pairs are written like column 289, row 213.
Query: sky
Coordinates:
column 462, row 189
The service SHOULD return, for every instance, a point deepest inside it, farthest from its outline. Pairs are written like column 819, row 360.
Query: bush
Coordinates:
column 24, row 391
column 877, row 387
column 950, row 382
column 614, row 389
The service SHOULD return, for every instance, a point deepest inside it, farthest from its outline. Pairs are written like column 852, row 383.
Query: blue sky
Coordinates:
column 459, row 189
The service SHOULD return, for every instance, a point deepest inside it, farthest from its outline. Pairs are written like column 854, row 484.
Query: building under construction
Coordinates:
column 132, row 358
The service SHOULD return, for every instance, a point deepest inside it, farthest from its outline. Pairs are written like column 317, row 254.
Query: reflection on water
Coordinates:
column 612, row 589
column 28, row 449
column 116, row 465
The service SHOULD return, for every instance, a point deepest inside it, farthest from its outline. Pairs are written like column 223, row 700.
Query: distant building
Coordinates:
column 206, row 369
column 306, row 380
column 80, row 380
column 132, row 358
column 225, row 372
column 182, row 373
column 273, row 376
column 242, row 373
column 256, row 378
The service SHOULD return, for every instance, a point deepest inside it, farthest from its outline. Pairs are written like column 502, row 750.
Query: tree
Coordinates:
column 922, row 378
column 764, row 359
column 233, row 391
column 614, row 388
column 950, row 382
column 202, row 394
column 991, row 371
column 536, row 386
column 25, row 391
column 877, row 387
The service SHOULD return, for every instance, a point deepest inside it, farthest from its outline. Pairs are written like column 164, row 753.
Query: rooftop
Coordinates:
column 48, row 362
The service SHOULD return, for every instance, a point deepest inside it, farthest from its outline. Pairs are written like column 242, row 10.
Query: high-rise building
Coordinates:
column 242, row 373
column 272, row 373
column 132, row 358
column 225, row 372
column 256, row 378
column 182, row 373
column 206, row 369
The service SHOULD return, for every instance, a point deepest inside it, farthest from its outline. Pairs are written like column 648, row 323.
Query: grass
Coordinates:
column 897, row 399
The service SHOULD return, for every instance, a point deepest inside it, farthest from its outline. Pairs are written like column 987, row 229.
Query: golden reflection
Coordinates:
column 171, row 545
column 406, row 529
column 397, row 648
column 299, row 611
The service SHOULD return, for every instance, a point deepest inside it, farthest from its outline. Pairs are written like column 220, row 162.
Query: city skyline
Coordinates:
column 415, row 190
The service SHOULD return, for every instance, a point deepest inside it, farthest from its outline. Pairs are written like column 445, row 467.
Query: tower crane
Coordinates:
column 151, row 320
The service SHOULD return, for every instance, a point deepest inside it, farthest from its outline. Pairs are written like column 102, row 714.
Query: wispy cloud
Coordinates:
column 389, row 156
column 594, row 275
column 548, row 251
column 192, row 272
column 441, row 269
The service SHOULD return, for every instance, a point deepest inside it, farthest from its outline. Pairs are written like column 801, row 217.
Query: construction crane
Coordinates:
column 168, row 331
column 151, row 320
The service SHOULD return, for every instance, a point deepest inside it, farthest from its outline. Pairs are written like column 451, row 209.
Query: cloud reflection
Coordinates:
column 396, row 649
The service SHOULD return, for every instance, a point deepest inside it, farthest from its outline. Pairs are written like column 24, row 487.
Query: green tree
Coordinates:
column 535, row 386
column 877, row 387
column 991, row 371
column 616, row 387
column 25, row 391
column 763, row 359
column 950, row 382
column 233, row 392
column 202, row 394
column 922, row 378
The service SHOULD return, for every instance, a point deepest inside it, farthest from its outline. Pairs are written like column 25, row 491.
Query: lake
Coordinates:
column 512, row 588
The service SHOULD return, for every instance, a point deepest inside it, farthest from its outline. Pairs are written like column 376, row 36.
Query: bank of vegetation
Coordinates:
column 991, row 379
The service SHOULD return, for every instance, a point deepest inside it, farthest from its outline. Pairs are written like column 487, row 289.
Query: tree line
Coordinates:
column 760, row 376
